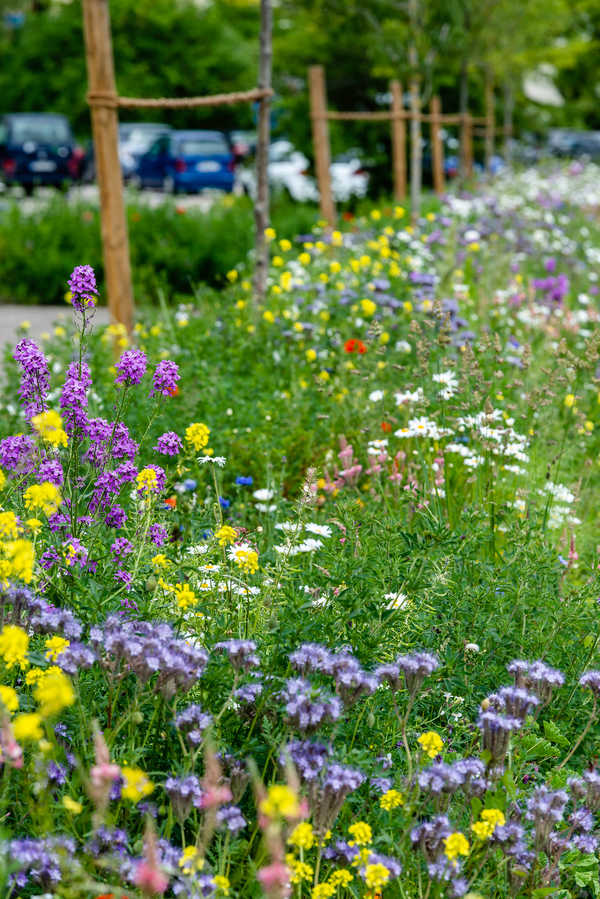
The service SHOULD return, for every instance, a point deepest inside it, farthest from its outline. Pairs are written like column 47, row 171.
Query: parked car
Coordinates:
column 243, row 144
column 289, row 172
column 135, row 139
column 187, row 161
column 38, row 148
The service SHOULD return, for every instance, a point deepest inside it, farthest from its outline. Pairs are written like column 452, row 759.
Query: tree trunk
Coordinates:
column 261, row 207
column 509, row 106
column 463, row 102
column 415, row 122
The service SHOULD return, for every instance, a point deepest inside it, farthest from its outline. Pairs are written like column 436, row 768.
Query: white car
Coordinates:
column 288, row 171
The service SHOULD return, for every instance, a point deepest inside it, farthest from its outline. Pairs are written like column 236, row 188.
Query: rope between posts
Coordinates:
column 110, row 100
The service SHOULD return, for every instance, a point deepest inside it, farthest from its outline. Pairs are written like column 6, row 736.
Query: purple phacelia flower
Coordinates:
column 169, row 444
column 165, row 377
column 131, row 368
column 82, row 285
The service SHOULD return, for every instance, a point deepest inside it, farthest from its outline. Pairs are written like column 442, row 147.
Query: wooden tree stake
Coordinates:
column 261, row 207
column 320, row 130
column 398, row 142
column 489, row 121
column 416, row 151
column 466, row 145
column 103, row 102
column 437, row 147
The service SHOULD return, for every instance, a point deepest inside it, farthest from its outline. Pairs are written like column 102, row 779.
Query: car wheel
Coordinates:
column 168, row 184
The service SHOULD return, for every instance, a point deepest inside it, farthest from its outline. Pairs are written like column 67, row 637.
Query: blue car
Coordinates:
column 187, row 162
column 38, row 148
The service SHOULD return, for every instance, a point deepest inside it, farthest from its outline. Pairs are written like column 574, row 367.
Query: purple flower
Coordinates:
column 75, row 657
column 169, row 444
column 308, row 708
column 57, row 775
column 38, row 862
column 183, row 793
column 35, row 377
column 416, row 667
column 82, row 285
column 107, row 841
column 496, row 730
column 309, row 758
column 192, row 722
column 516, row 702
column 131, row 367
column 16, row 454
column 351, row 680
column 591, row 679
column 121, row 547
column 231, row 818
column 165, row 377
column 158, row 534
column 115, row 517
column 51, row 470
column 312, row 657
column 73, row 397
column 241, row 653
column 536, row 676
column 248, row 693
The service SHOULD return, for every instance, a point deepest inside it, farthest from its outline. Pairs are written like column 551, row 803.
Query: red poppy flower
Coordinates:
column 171, row 501
column 348, row 216
column 350, row 345
column 173, row 391
column 386, row 427
column 361, row 348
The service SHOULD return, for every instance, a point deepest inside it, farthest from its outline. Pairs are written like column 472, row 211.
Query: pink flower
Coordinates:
column 275, row 879
column 150, row 879
column 10, row 750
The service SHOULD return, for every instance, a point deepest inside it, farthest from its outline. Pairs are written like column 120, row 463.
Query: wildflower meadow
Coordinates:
column 302, row 598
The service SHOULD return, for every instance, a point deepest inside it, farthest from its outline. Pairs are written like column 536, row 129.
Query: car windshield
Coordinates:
column 42, row 131
column 139, row 138
column 202, row 146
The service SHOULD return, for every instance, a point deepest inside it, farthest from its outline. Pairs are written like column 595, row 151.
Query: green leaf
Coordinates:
column 553, row 733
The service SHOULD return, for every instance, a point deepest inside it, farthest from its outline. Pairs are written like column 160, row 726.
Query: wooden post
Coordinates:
column 320, row 130
column 416, row 150
column 489, row 121
column 261, row 207
column 437, row 147
column 102, row 98
column 509, row 102
column 466, row 145
column 398, row 142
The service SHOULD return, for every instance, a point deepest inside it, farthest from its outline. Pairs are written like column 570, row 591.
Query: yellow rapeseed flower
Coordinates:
column 27, row 726
column 14, row 644
column 226, row 534
column 456, row 844
column 191, row 861
column 361, row 834
column 431, row 743
column 72, row 806
column 302, row 836
column 147, row 480
column 220, row 881
column 197, row 435
column 185, row 596
column 137, row 784
column 299, row 870
column 376, row 875
column 9, row 526
column 45, row 496
column 280, row 801
column 49, row 427
column 53, row 693
column 368, row 307
column 391, row 799
column 54, row 646
column 9, row 698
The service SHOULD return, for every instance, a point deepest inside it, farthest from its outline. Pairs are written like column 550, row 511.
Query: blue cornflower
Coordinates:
column 244, row 480
column 190, row 484
column 224, row 503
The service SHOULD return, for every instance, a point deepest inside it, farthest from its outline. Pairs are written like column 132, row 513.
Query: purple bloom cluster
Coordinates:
column 35, row 377
column 496, row 730
column 73, row 397
column 115, row 517
column 241, row 653
column 308, row 757
column 537, row 677
column 44, row 618
column 307, row 707
column 16, row 454
column 121, row 547
column 249, row 693
column 328, row 794
column 147, row 649
column 51, row 470
column 545, row 808
column 158, row 534
column 351, row 680
column 107, row 841
column 442, row 777
column 38, row 862
column 230, row 818
column 165, row 377
column 75, row 657
column 591, row 679
column 516, row 702
column 82, row 285
column 184, row 792
column 131, row 368
column 192, row 722
column 169, row 444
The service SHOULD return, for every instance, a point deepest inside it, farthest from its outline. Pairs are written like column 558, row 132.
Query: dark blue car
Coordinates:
column 187, row 162
column 38, row 148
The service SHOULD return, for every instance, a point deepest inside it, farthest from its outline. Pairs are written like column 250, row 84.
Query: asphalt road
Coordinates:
column 41, row 319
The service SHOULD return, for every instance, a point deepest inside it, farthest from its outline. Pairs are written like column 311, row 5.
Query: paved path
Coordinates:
column 41, row 319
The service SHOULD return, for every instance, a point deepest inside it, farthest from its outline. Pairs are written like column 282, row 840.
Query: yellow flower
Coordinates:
column 570, row 400
column 147, row 480
column 376, row 876
column 137, row 784
column 197, row 435
column 391, row 799
column 407, row 306
column 311, row 355
column 324, row 375
column 384, row 337
column 232, row 276
column 341, row 878
column 34, row 524
column 362, row 857
column 160, row 561
column 361, row 833
column 59, row 331
column 36, row 674
column 21, row 556
column 368, row 307
column 191, row 861
column 245, row 557
column 9, row 527
column 375, row 215
column 9, row 698
column 14, row 643
column 286, row 245
column 49, row 427
column 43, row 496
column 54, row 646
column 72, row 805
column 281, row 801
column 302, row 836
column 431, row 743
column 27, row 726
column 222, row 883
column 270, row 233
column 323, row 891
column 456, row 844
column 491, row 818
column 185, row 596
column 225, row 535
column 53, row 693
column 2, row 479
column 285, row 280
column 299, row 870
